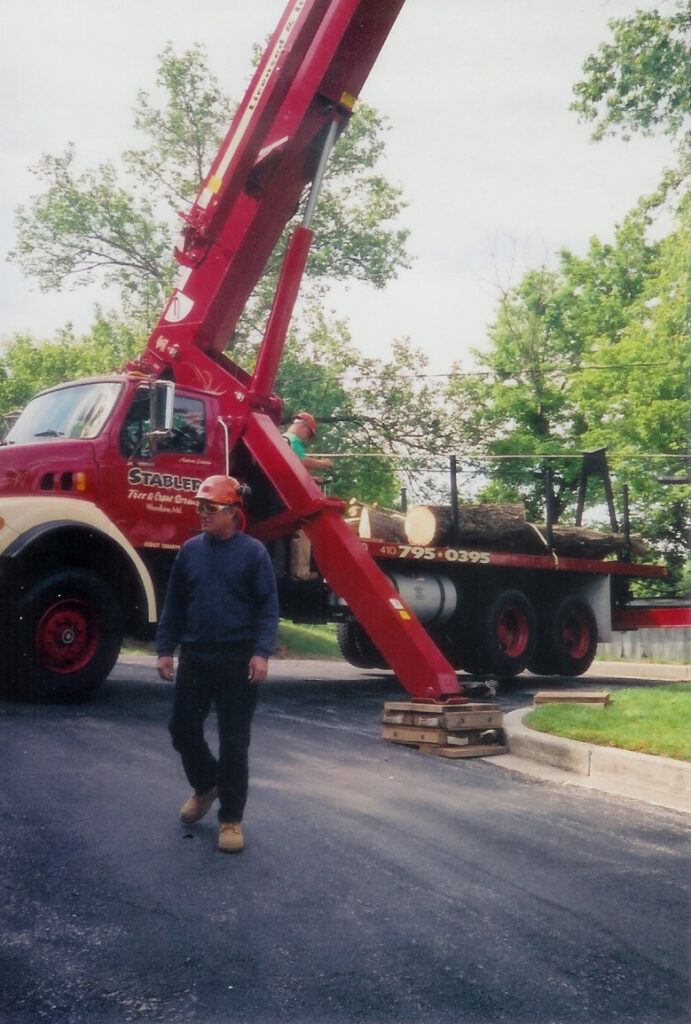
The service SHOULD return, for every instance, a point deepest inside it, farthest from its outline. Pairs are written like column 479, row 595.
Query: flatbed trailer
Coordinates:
column 496, row 613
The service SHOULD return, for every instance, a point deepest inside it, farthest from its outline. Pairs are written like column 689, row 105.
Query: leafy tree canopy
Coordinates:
column 593, row 354
column 119, row 228
column 640, row 82
column 28, row 365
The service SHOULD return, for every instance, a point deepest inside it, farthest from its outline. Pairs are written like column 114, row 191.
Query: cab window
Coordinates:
column 187, row 436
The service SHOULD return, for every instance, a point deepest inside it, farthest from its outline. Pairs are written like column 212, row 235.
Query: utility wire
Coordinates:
column 535, row 457
column 505, row 374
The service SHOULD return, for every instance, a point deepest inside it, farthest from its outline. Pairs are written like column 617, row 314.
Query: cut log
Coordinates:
column 382, row 524
column 488, row 525
column 581, row 542
column 354, row 508
column 353, row 523
column 504, row 528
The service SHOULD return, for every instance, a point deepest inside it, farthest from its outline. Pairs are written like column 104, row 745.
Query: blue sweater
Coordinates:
column 220, row 591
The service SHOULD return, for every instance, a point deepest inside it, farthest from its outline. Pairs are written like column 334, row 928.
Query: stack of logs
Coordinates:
column 447, row 730
column 502, row 527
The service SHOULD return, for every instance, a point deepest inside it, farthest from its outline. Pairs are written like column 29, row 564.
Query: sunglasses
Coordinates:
column 209, row 508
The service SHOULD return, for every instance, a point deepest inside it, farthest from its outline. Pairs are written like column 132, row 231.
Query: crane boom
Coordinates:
column 300, row 98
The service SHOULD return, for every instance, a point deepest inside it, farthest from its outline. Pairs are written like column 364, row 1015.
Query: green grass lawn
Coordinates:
column 650, row 720
column 294, row 641
column 298, row 641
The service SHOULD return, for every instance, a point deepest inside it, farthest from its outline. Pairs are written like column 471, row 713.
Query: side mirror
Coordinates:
column 162, row 398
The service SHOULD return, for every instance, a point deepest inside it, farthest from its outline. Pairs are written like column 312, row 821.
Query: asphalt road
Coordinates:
column 378, row 884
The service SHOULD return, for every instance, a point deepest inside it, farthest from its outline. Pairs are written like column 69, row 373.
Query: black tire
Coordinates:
column 567, row 641
column 469, row 652
column 67, row 636
column 356, row 646
column 501, row 636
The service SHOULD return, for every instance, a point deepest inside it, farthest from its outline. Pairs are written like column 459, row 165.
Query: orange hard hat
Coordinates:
column 223, row 490
column 309, row 420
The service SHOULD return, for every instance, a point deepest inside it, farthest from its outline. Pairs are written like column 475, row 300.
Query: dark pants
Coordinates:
column 216, row 674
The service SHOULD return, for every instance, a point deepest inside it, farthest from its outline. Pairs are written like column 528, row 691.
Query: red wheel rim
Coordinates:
column 575, row 634
column 67, row 636
column 513, row 631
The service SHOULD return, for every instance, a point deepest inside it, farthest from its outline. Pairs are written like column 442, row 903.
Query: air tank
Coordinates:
column 433, row 599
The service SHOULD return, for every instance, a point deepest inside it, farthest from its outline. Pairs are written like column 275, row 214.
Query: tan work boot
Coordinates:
column 230, row 837
column 197, row 806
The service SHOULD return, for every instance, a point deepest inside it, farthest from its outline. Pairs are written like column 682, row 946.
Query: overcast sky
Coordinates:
column 498, row 173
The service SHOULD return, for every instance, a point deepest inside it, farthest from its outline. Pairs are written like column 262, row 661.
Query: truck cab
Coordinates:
column 96, row 502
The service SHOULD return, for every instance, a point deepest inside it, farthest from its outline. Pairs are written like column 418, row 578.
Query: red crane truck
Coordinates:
column 98, row 477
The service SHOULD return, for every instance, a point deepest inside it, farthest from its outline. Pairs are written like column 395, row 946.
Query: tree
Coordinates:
column 641, row 81
column 382, row 422
column 103, row 226
column 29, row 365
column 87, row 225
column 183, row 132
column 638, row 401
column 593, row 354
column 596, row 352
column 547, row 328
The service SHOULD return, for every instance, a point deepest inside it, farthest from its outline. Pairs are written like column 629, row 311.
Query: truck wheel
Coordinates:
column 68, row 636
column 568, row 639
column 356, row 646
column 500, row 640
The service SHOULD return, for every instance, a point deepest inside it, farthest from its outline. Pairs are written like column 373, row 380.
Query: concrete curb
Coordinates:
column 647, row 671
column 658, row 780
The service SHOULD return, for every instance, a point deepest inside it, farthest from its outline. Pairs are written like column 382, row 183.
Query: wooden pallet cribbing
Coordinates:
column 473, row 730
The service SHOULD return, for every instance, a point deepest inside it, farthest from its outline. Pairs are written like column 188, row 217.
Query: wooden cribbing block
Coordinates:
column 598, row 698
column 450, row 730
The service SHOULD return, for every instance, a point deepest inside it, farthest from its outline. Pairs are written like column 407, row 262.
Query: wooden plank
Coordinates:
column 598, row 697
column 473, row 737
column 435, row 706
column 412, row 734
column 473, row 719
column 424, row 719
column 460, row 739
column 481, row 750
column 451, row 720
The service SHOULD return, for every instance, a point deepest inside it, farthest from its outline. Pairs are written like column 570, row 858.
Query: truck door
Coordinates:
column 152, row 483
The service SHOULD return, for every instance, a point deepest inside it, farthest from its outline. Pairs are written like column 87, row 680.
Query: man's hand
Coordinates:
column 259, row 668
column 164, row 667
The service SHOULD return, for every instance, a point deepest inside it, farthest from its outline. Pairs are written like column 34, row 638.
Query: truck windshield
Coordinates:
column 76, row 411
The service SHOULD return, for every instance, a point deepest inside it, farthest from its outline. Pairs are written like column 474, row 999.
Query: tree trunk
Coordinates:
column 381, row 524
column 580, row 542
column 504, row 528
column 353, row 508
column 431, row 525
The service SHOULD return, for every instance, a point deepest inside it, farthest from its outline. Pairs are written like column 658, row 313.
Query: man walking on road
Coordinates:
column 221, row 608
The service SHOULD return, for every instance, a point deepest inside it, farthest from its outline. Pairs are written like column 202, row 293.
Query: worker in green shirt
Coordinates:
column 299, row 434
